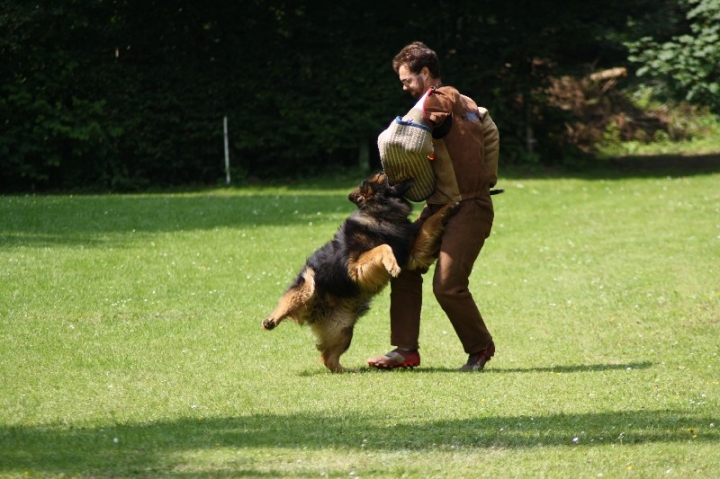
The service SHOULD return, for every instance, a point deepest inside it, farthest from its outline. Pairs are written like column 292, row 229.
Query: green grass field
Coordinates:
column 131, row 345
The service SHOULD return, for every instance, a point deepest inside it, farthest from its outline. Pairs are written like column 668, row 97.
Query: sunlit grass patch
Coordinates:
column 132, row 346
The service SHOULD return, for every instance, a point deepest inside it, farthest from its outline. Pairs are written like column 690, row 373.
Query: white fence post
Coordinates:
column 227, row 152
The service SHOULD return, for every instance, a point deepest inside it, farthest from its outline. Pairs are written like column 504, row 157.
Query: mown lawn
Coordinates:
column 131, row 345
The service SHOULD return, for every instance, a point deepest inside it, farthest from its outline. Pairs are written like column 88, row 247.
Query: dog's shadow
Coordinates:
column 576, row 368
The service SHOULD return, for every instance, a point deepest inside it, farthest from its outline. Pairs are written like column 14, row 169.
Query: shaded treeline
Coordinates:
column 128, row 94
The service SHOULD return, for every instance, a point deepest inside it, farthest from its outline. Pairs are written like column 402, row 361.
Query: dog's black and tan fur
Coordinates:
column 339, row 280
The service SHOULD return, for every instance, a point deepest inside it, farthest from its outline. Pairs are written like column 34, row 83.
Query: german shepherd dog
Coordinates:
column 339, row 280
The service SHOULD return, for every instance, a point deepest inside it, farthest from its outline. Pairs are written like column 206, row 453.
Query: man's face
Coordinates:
column 414, row 83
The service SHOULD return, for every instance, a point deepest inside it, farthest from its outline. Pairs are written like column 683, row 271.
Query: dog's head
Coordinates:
column 377, row 190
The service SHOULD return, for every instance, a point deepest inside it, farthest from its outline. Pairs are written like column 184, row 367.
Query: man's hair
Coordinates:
column 417, row 56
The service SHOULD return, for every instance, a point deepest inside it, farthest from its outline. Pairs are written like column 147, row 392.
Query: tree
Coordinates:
column 126, row 94
column 687, row 66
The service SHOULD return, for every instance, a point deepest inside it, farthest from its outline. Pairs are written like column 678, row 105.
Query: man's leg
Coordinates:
column 464, row 237
column 405, row 307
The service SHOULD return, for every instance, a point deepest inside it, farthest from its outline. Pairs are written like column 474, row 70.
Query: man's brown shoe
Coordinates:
column 476, row 361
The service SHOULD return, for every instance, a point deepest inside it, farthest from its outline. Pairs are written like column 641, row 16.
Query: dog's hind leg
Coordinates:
column 334, row 338
column 372, row 269
column 427, row 242
column 295, row 300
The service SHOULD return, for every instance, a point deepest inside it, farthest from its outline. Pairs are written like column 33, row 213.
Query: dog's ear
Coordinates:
column 360, row 194
column 369, row 188
column 355, row 195
column 401, row 188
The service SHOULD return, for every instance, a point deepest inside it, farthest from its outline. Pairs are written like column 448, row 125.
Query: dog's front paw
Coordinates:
column 391, row 266
column 450, row 212
column 269, row 324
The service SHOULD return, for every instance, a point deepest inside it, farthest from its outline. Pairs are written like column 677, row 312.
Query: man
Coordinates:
column 464, row 137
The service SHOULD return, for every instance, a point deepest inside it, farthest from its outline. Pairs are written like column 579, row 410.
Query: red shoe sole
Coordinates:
column 410, row 362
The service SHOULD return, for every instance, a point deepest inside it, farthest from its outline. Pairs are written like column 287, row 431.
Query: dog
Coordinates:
column 337, row 283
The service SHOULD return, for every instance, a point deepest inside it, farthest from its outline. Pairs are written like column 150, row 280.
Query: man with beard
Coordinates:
column 466, row 146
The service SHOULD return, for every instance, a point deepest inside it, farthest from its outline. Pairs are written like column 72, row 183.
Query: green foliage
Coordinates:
column 132, row 345
column 131, row 94
column 688, row 130
column 687, row 66
column 49, row 125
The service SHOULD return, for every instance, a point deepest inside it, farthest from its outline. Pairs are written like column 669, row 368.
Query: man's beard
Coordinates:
column 420, row 91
